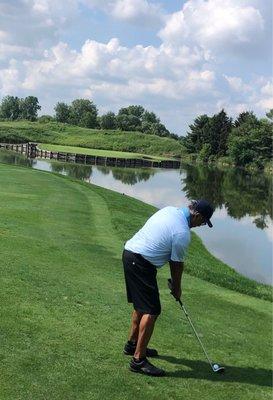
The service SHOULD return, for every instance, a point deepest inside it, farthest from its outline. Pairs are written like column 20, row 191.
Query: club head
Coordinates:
column 218, row 369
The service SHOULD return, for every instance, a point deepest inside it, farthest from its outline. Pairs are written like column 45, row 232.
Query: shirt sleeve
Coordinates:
column 180, row 245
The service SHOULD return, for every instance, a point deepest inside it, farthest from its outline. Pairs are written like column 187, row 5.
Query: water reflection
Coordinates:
column 131, row 177
column 78, row 171
column 240, row 192
column 10, row 157
column 84, row 172
column 128, row 176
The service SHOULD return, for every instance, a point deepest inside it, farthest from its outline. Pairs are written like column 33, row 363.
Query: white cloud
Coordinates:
column 267, row 89
column 104, row 66
column 215, row 25
column 237, row 84
column 265, row 101
column 9, row 50
column 35, row 23
column 4, row 35
column 8, row 78
column 266, row 104
column 140, row 12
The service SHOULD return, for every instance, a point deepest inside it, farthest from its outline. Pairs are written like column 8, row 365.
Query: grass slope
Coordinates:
column 68, row 135
column 64, row 316
column 96, row 152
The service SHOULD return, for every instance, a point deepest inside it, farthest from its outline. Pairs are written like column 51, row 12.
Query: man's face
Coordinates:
column 197, row 220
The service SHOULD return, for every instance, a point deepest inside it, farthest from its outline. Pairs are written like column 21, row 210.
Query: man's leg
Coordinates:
column 139, row 362
column 145, row 331
column 136, row 318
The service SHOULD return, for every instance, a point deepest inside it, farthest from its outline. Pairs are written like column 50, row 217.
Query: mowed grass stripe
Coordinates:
column 64, row 316
column 98, row 152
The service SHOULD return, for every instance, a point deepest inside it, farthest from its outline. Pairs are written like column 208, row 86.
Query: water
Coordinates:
column 242, row 235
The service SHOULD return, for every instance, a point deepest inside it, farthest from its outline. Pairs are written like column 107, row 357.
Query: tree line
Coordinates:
column 246, row 141
column 84, row 113
column 13, row 108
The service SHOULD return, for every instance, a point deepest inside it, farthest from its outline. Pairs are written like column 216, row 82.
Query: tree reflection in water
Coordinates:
column 240, row 192
column 10, row 157
column 131, row 176
column 78, row 171
column 103, row 170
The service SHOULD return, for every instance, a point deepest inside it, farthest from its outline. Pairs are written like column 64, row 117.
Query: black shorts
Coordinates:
column 141, row 284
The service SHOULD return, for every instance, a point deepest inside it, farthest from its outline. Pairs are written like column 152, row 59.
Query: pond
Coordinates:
column 242, row 234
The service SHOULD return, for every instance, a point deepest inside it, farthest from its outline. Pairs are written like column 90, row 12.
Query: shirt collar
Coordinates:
column 187, row 214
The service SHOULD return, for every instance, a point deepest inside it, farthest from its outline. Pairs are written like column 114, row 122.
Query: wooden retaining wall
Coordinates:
column 32, row 151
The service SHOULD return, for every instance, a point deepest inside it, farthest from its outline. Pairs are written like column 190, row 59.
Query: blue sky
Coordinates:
column 177, row 58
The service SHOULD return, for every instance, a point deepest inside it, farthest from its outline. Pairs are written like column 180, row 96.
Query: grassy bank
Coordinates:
column 226, row 162
column 96, row 152
column 64, row 316
column 68, row 135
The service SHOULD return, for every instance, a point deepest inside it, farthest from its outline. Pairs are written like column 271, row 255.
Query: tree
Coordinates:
column 269, row 114
column 137, row 111
column 62, row 112
column 149, row 117
column 128, row 122
column 108, row 121
column 246, row 117
column 10, row 108
column 205, row 153
column 130, row 118
column 198, row 134
column 45, row 118
column 219, row 129
column 136, row 118
column 29, row 108
column 251, row 144
column 84, row 113
column 241, row 150
column 159, row 129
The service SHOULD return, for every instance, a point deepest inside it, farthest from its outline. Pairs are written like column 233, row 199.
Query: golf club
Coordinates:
column 215, row 367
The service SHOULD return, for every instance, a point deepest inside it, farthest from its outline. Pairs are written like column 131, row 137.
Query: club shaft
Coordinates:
column 195, row 332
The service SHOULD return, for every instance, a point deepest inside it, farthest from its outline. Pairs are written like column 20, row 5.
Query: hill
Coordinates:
column 63, row 134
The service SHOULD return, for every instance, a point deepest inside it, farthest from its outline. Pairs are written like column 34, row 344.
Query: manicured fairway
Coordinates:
column 64, row 316
column 96, row 152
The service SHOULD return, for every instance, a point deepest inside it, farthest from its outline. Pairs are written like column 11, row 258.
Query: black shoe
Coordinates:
column 129, row 350
column 145, row 367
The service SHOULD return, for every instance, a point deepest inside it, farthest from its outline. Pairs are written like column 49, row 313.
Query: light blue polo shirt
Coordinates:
column 164, row 237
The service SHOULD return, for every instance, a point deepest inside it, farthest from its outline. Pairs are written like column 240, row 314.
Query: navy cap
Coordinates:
column 205, row 209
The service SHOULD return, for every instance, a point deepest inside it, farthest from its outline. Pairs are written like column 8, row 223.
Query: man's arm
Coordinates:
column 176, row 268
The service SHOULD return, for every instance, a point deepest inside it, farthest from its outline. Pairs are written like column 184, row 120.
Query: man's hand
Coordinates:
column 176, row 274
column 175, row 292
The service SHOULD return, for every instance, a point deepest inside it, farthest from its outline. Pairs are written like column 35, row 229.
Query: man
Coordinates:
column 164, row 238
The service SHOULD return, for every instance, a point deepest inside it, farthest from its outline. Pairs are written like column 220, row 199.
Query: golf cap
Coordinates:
column 205, row 209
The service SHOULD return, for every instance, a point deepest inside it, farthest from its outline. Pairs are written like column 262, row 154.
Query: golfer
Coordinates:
column 164, row 238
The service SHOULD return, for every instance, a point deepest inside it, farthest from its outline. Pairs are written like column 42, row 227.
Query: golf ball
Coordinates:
column 215, row 366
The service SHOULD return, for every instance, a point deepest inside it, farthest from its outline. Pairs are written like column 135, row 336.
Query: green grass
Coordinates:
column 64, row 315
column 95, row 152
column 68, row 135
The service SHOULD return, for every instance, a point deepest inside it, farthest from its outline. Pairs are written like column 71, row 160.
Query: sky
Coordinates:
column 179, row 59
